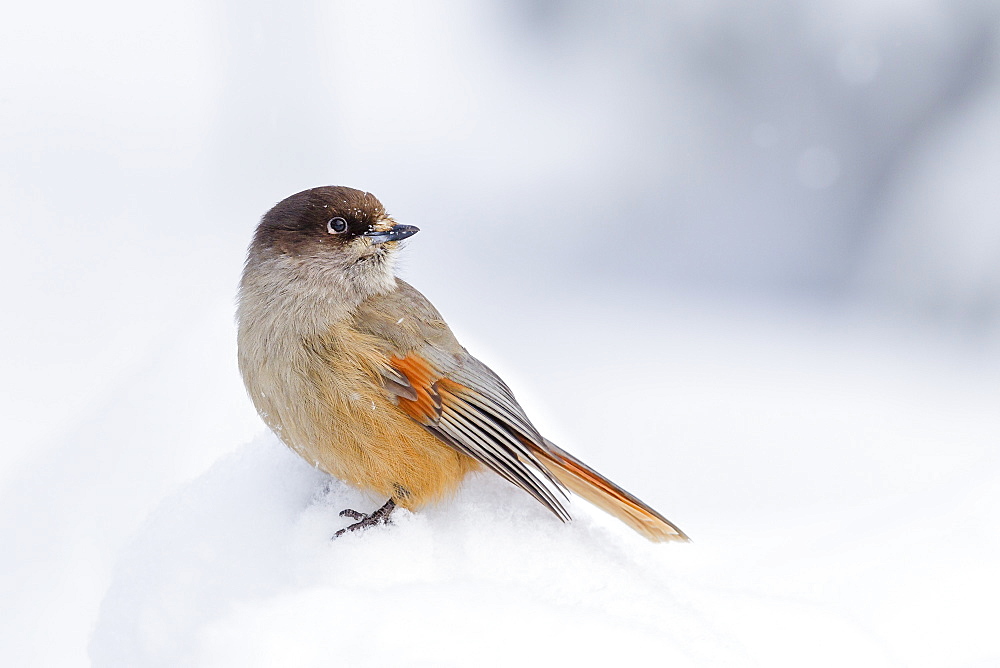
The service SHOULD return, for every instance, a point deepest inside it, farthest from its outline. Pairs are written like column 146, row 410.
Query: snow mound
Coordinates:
column 238, row 568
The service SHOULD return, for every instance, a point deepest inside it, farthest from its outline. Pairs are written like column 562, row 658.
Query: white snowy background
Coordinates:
column 744, row 258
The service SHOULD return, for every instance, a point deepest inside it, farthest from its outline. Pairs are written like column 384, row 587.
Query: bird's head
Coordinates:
column 334, row 231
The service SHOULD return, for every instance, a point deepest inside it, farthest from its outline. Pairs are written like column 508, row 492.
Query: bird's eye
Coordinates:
column 336, row 226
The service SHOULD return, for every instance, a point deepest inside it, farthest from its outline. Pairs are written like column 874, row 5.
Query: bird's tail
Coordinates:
column 606, row 495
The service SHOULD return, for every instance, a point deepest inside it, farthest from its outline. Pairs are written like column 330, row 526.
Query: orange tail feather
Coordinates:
column 609, row 497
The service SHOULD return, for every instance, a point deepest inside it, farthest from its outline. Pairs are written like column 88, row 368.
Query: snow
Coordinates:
column 798, row 365
column 840, row 484
column 841, row 495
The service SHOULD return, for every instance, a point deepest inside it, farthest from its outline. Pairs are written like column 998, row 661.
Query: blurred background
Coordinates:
column 826, row 152
column 722, row 185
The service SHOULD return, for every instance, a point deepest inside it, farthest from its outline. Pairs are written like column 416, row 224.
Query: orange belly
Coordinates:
column 372, row 444
column 331, row 409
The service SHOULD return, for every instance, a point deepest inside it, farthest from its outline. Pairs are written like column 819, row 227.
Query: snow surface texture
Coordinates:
column 842, row 499
column 774, row 222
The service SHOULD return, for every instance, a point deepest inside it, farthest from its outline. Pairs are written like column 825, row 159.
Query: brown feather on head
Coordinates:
column 302, row 223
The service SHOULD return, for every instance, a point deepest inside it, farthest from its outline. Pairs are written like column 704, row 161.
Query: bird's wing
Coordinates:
column 461, row 401
column 455, row 396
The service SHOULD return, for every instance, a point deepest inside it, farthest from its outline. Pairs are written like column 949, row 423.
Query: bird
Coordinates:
column 357, row 372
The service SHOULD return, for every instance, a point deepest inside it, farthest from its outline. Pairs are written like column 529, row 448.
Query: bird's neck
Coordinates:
column 307, row 296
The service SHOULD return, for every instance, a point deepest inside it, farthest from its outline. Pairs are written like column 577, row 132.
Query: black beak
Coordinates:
column 396, row 233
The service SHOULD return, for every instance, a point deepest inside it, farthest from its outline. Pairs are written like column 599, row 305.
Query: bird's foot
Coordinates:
column 380, row 516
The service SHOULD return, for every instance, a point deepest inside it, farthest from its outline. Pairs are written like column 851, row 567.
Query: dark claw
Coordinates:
column 380, row 516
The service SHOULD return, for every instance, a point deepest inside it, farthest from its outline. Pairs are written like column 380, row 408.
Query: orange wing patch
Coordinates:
column 422, row 378
column 427, row 383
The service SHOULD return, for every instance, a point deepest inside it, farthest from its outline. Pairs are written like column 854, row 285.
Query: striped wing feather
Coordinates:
column 479, row 426
column 461, row 401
